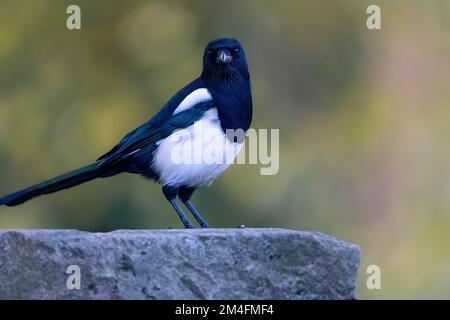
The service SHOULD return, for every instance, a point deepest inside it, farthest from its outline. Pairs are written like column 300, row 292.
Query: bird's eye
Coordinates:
column 236, row 50
column 210, row 52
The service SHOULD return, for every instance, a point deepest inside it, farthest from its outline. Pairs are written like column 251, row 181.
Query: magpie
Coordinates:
column 219, row 101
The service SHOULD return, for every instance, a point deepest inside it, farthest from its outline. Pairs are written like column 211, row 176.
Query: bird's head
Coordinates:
column 224, row 62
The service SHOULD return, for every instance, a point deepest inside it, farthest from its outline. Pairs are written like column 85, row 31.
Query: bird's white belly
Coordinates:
column 195, row 156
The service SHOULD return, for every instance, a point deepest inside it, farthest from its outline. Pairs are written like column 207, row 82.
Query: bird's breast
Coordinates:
column 195, row 156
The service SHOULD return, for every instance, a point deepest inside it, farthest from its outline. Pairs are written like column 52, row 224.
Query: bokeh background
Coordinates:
column 364, row 119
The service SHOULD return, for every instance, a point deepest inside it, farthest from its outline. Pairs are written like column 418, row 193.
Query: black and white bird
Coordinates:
column 217, row 102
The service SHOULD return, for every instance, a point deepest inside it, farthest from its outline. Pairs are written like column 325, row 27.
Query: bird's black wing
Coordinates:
column 157, row 121
column 117, row 146
column 147, row 135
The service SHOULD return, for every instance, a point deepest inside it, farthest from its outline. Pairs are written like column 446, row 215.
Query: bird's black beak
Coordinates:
column 224, row 56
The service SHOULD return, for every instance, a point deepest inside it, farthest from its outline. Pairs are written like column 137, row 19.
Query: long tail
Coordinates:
column 64, row 181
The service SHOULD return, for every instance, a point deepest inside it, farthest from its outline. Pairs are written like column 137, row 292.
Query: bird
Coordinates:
column 218, row 102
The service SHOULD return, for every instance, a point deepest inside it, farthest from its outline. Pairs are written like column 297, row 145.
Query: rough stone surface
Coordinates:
column 177, row 264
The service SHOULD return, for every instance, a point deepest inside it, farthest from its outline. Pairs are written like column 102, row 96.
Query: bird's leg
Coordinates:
column 185, row 194
column 171, row 193
column 187, row 224
column 196, row 214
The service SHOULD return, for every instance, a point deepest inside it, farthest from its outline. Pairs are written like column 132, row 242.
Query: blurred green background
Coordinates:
column 364, row 119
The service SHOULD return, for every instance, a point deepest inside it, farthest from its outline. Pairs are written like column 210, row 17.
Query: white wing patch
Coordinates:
column 194, row 98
